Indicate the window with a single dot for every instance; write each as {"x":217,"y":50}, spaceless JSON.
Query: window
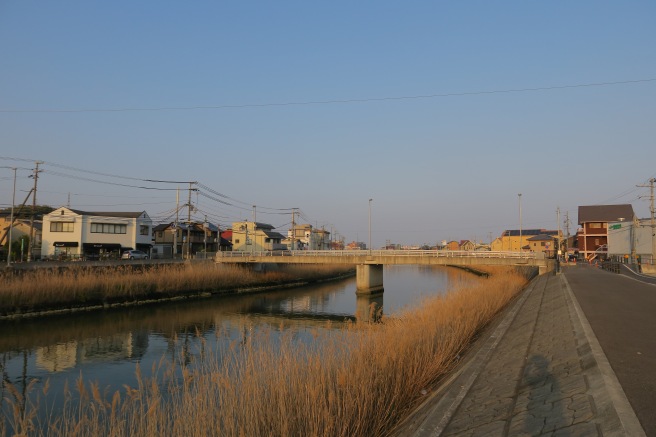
{"x":159,"y":234}
{"x":237,"y":241}
{"x":143,"y":230}
{"x":108,"y":228}
{"x":597,"y":241}
{"x":595,"y":225}
{"x":61,"y":226}
{"x":542,"y":244}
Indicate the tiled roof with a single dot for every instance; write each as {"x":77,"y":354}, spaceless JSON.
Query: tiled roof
{"x":527,"y":232}
{"x":542,"y":237}
{"x":108,"y":213}
{"x":605,"y":213}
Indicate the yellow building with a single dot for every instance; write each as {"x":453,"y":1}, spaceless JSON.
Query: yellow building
{"x":255,"y":237}
{"x":510,"y":239}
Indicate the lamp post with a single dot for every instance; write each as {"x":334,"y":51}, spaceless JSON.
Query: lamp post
{"x":370,"y":226}
{"x":11,"y":220}
{"x":519,"y":196}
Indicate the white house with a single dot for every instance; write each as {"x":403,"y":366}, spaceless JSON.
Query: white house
{"x":70,"y":233}
{"x":305,"y":237}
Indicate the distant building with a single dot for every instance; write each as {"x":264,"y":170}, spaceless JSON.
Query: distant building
{"x":256,"y":237}
{"x":201,"y":235}
{"x":466,"y":245}
{"x":305,"y":237}
{"x":592,"y":235}
{"x":510,"y":239}
{"x":543,"y":243}
{"x":356,"y":245}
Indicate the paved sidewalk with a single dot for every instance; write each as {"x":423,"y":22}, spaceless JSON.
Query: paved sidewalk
{"x":540,"y":372}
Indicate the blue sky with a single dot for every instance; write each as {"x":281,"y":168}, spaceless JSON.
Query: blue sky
{"x":306,"y":105}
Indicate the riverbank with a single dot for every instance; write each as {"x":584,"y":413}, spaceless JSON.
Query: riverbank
{"x":355,"y":379}
{"x":44,"y":292}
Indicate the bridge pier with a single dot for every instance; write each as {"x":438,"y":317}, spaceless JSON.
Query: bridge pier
{"x":369,"y":278}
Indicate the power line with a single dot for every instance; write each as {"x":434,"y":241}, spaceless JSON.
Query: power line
{"x":54,"y":173}
{"x":328,"y":102}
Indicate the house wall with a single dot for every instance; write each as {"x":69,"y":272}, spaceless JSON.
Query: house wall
{"x":512,"y":243}
{"x":623,"y":235}
{"x":542,"y":246}
{"x":257,"y":240}
{"x":48,"y":238}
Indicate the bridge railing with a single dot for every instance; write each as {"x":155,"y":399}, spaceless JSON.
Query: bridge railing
{"x":379,"y":253}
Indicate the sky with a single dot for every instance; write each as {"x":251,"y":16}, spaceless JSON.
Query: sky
{"x":440,"y":112}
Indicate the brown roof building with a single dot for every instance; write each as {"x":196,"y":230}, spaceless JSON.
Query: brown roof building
{"x":592,"y":236}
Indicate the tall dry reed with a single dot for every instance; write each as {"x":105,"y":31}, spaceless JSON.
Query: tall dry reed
{"x":361,"y":381}
{"x":45,"y":288}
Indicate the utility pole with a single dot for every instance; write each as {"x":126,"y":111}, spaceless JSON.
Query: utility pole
{"x":557,"y":252}
{"x":30,"y":248}
{"x":189,"y":222}
{"x":567,"y":230}
{"x":520,"y":221}
{"x":370,"y":226}
{"x":175,"y":225}
{"x":653,"y":224}
{"x":11,"y":220}
{"x":254,"y":229}
{"x":205,"y":236}
{"x":293,"y":226}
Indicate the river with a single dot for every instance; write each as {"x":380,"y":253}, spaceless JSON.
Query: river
{"x":105,"y":346}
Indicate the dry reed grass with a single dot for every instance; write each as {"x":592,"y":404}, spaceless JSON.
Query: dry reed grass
{"x":361,"y":381}
{"x":47,"y":289}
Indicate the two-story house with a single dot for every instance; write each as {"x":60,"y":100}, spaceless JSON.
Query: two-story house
{"x":255,"y":237}
{"x":305,"y":237}
{"x":592,"y":235}
{"x":201,"y":236}
{"x":70,"y":233}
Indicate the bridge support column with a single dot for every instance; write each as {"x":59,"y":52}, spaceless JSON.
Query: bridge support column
{"x":369,"y":278}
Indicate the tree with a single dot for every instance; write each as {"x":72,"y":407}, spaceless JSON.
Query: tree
{"x":39,"y":210}
{"x":18,"y":249}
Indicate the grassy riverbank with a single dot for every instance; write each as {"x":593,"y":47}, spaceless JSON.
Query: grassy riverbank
{"x":84,"y":287}
{"x":360,"y":381}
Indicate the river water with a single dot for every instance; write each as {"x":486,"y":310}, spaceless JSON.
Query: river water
{"x":105,"y":346}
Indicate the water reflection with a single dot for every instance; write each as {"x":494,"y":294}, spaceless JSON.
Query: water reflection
{"x":369,"y":308}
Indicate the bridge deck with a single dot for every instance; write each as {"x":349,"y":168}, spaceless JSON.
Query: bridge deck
{"x":385,"y":257}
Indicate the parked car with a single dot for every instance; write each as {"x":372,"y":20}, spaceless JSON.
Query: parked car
{"x":134,"y":254}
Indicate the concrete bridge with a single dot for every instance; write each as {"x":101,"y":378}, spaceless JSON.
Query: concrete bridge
{"x":369,"y":263}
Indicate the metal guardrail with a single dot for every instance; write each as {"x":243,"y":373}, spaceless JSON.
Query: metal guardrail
{"x":387,"y":253}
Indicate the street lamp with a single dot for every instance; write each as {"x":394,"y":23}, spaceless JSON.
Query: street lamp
{"x":370,"y":226}
{"x":520,"y":221}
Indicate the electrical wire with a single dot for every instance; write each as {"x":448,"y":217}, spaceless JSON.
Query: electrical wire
{"x":328,"y":102}
{"x":54,"y":173}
